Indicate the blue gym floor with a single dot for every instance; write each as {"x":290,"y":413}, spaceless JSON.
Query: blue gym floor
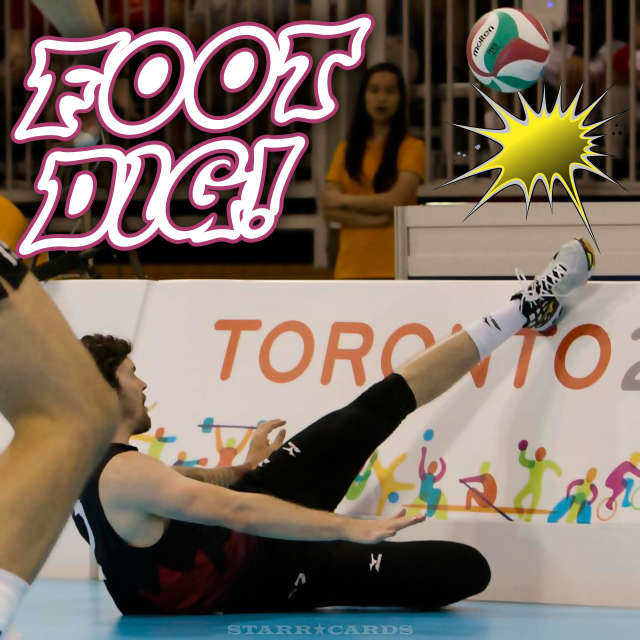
{"x":79,"y":610}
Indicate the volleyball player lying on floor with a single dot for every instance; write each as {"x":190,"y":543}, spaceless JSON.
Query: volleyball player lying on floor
{"x":268,"y":541}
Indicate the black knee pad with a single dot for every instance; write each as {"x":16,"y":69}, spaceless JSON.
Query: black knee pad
{"x":11,"y":268}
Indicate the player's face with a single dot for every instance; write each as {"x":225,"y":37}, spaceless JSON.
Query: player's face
{"x":382,"y":96}
{"x":132,"y":398}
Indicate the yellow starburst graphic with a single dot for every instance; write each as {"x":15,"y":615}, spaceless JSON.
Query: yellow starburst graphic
{"x":545,"y":146}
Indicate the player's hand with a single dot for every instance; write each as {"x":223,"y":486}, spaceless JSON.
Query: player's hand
{"x":522,"y":445}
{"x":369,"y":531}
{"x":260,"y":447}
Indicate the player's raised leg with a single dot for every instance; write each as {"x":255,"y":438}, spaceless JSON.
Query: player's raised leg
{"x":289,"y":576}
{"x":298,"y":471}
{"x":537,"y":307}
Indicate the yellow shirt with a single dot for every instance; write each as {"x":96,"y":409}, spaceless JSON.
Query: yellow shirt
{"x":13,"y":226}
{"x":368,"y":252}
{"x":12,"y":223}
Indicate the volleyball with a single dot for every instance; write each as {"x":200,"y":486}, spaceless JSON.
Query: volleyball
{"x":507,"y":49}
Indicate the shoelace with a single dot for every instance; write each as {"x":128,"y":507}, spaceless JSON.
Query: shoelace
{"x":542,"y":287}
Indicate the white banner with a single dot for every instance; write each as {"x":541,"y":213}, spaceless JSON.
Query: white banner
{"x":233,"y":353}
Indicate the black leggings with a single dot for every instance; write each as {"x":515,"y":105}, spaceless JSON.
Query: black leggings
{"x":315,"y":468}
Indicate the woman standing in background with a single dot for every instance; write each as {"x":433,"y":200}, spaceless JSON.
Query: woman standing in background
{"x":377,"y":168}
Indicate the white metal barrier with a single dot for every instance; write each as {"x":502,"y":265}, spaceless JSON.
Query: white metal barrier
{"x":433,"y":241}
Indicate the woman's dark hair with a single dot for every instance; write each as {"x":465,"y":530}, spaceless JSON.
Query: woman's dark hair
{"x":109,"y":353}
{"x":361,"y":129}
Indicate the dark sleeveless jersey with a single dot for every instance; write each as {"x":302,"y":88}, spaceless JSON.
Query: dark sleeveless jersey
{"x":187,"y":571}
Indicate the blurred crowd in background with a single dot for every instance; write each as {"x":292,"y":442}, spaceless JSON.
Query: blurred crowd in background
{"x":425,"y":43}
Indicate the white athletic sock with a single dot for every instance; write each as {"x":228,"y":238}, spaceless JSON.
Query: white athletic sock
{"x":12,"y":589}
{"x":490,"y":332}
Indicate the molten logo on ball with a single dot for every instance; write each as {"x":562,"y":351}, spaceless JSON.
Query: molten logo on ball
{"x":507,"y":49}
{"x":545,"y":146}
{"x":481,"y":39}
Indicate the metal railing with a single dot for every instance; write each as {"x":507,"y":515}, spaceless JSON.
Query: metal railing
{"x":432,"y":59}
{"x":451,"y":151}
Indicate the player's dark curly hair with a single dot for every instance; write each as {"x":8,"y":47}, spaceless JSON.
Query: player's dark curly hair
{"x":109,"y":353}
{"x":362,"y":128}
